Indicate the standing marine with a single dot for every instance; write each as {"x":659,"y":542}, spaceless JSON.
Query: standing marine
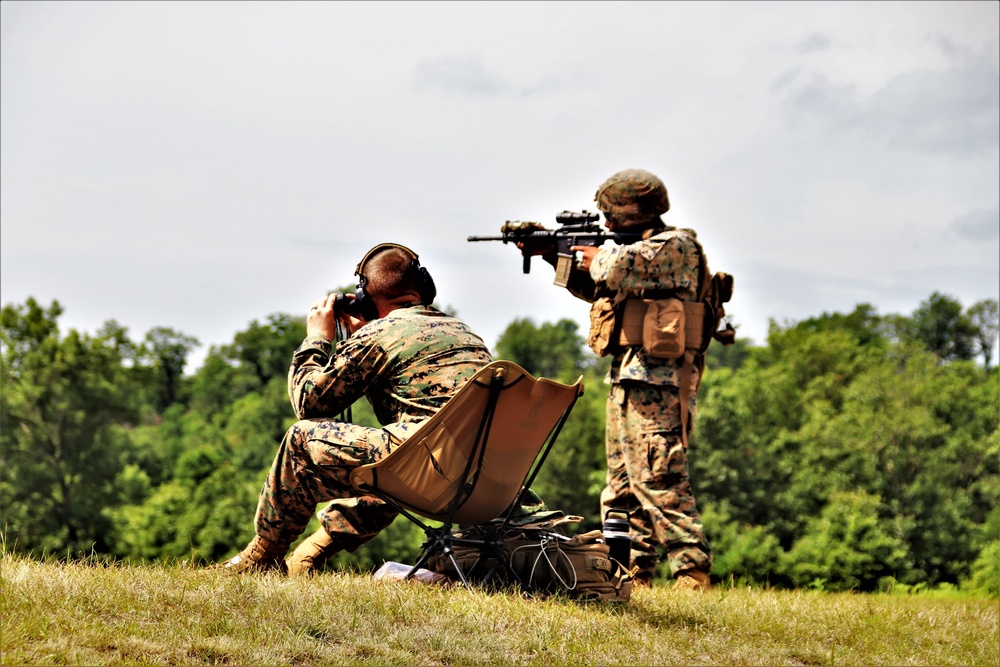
{"x":654,"y":309}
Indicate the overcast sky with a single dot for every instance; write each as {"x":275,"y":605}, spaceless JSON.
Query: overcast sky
{"x":200,"y":165}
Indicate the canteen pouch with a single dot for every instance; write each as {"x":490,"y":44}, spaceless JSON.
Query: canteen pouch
{"x":663,"y":330}
{"x":602,"y":327}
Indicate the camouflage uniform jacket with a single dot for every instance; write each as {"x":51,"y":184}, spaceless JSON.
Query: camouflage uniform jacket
{"x":664,"y":265}
{"x":408,"y":364}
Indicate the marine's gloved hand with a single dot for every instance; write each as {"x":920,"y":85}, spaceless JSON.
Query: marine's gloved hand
{"x":535,"y":247}
{"x":519,"y":226}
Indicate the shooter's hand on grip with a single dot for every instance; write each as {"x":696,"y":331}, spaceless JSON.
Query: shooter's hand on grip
{"x":584,"y":255}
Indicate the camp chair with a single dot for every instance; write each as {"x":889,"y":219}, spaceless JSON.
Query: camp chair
{"x":473,"y":461}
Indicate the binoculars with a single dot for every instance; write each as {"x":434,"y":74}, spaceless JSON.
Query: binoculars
{"x":347,"y":306}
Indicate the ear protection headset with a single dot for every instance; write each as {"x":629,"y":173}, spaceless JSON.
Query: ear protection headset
{"x":363,"y":302}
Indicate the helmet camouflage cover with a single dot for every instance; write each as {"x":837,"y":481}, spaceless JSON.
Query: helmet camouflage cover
{"x":633,"y":192}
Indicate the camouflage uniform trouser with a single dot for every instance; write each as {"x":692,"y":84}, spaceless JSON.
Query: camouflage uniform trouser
{"x":648,"y":477}
{"x":313,"y":465}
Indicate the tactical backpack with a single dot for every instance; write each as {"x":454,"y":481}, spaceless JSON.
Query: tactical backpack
{"x":546,"y":562}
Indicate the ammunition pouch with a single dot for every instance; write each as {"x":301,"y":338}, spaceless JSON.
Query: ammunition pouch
{"x":665,"y":328}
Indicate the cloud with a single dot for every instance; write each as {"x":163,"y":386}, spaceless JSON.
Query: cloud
{"x":817,"y":41}
{"x":978,"y":225}
{"x":954,"y":112}
{"x":819,"y":97}
{"x":785,"y":80}
{"x":463,"y":74}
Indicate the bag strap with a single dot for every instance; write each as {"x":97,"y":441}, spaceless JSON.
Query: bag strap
{"x":684,"y":376}
{"x":694,"y":357}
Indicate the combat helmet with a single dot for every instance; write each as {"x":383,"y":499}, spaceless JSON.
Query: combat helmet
{"x":633,"y":193}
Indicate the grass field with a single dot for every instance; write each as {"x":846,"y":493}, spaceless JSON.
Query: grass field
{"x":100,"y":613}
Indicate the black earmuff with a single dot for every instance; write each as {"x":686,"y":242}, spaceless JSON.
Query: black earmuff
{"x":426,"y":289}
{"x":364,"y":304}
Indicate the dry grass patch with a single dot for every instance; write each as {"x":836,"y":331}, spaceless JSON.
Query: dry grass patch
{"x":96,"y":614}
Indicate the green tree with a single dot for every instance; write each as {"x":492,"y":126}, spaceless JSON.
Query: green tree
{"x":727,"y":356}
{"x":266,"y":349}
{"x":167,"y":351}
{"x":549,"y":350}
{"x":215,"y":452}
{"x":847,"y":547}
{"x":943,"y":328}
{"x":839,"y":405}
{"x":258,"y":355}
{"x":65,"y":400}
{"x":985,"y":318}
{"x":218,"y":463}
{"x":984,"y":576}
{"x":864,"y":324}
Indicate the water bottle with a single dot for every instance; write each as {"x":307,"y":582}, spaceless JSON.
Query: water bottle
{"x":618,"y":537}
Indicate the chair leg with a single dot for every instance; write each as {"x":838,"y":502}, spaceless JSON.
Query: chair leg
{"x":421,"y":561}
{"x":491,"y":547}
{"x":451,"y":556}
{"x":439,"y":542}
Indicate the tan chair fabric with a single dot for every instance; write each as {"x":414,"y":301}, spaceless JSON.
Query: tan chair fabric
{"x":423,"y":474}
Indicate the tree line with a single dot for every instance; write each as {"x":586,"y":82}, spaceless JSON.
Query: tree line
{"x":851,"y":451}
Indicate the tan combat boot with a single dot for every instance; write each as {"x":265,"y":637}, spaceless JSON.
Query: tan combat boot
{"x":312,"y":553}
{"x":691,"y":580}
{"x":260,"y":555}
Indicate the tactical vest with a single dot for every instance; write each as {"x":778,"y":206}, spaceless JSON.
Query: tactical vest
{"x":665,"y":326}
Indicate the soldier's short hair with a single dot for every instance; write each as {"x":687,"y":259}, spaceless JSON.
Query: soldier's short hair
{"x":391,"y":273}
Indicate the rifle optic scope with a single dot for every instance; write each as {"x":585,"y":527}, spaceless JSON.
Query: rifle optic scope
{"x":574,"y":217}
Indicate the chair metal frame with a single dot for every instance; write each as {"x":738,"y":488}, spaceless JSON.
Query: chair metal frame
{"x":489,"y":541}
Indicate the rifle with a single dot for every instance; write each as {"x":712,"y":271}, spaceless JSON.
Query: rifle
{"x":578,"y":228}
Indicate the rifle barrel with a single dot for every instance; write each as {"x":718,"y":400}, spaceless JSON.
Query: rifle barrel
{"x":560,"y":234}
